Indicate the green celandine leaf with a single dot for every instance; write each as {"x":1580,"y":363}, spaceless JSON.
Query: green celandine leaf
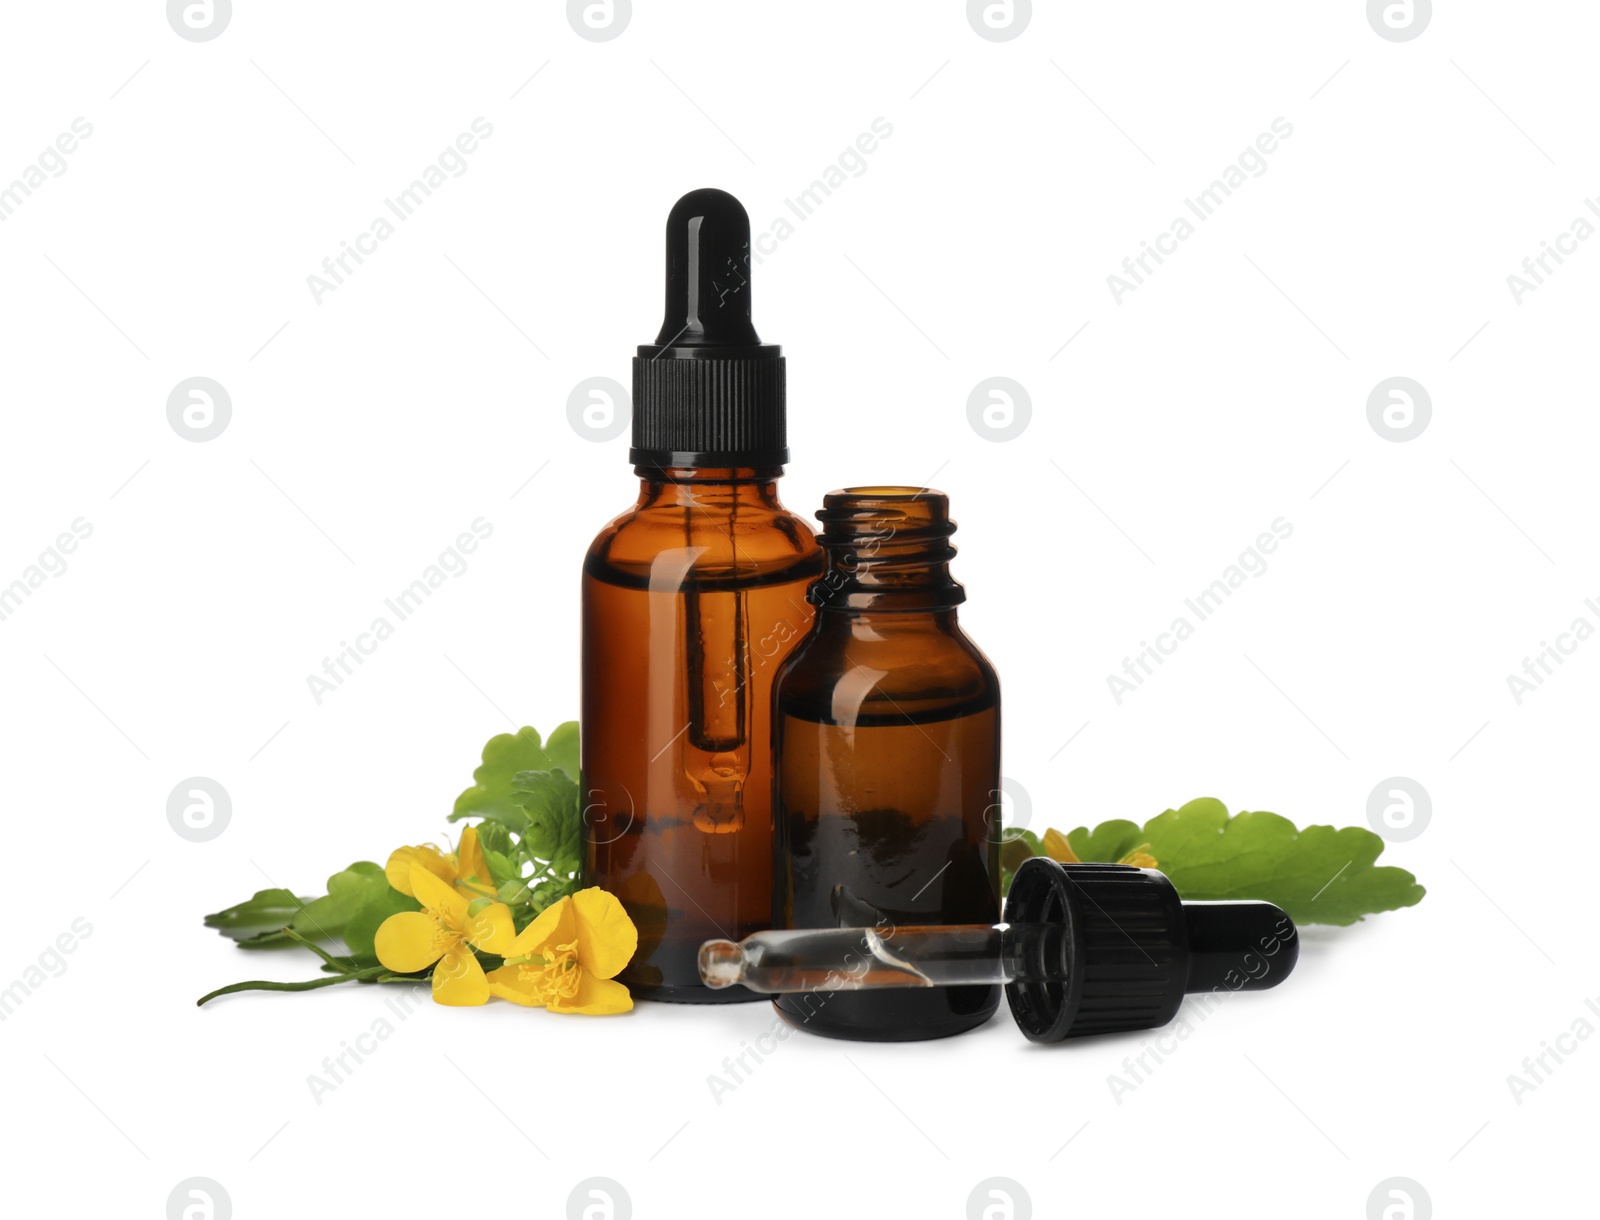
{"x":492,"y":796}
{"x":499,"y":853}
{"x":1015,"y":847}
{"x":562,"y":747}
{"x":1318,"y":875}
{"x":526,"y":791}
{"x":554,"y":838}
{"x":1107,"y":841}
{"x":358,"y":891}
{"x":359,"y":898}
{"x":368,"y":899}
{"x":555,"y":819}
{"x":264,"y":915}
{"x":502,"y":868}
{"x":492,"y":836}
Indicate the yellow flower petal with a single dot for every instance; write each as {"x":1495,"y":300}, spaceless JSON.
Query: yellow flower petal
{"x":472,"y":871}
{"x":595,"y":997}
{"x":409,"y":941}
{"x":438,"y":897}
{"x":1057,"y":848}
{"x":1140,"y":857}
{"x":398,"y":869}
{"x":491,"y":929}
{"x":606,"y":936}
{"x":458,"y":979}
{"x":509,"y":984}
{"x":554,"y":925}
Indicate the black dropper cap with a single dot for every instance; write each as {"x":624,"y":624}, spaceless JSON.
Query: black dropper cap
{"x":708,"y":392}
{"x":1124,"y":949}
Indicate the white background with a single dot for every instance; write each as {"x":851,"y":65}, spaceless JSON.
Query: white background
{"x":370,"y":429}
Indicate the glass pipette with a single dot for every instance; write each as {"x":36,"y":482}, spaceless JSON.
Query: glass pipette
{"x":1087,"y":948}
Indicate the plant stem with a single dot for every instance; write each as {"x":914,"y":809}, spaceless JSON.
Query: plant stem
{"x":343,"y":968}
{"x":371,"y":972}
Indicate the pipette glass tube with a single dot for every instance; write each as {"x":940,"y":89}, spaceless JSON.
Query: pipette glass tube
{"x":865,"y":959}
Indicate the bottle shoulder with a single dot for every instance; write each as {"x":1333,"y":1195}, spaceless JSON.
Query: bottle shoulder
{"x":926,"y":669}
{"x":760,"y":544}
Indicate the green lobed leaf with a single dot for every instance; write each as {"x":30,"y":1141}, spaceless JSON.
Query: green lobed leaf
{"x":562,"y":747}
{"x":1107,"y":841}
{"x":504,"y":757}
{"x":492,"y":836}
{"x":502,"y":868}
{"x":554,"y":826}
{"x":1318,"y":875}
{"x":499,"y":853}
{"x":258,"y":918}
{"x":532,"y":831}
{"x":358,"y":899}
{"x":362,"y":930}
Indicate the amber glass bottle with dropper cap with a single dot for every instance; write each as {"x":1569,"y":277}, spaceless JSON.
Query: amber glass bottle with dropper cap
{"x":887,"y":726}
{"x":691,"y":601}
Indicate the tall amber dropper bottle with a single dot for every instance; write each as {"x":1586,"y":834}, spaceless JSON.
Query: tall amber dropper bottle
{"x":691,"y":600}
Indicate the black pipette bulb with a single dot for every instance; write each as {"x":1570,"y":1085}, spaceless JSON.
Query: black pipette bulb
{"x":708,"y":281}
{"x":708,"y":392}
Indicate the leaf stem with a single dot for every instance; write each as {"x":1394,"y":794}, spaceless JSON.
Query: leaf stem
{"x":342,"y":967}
{"x":371,"y":972}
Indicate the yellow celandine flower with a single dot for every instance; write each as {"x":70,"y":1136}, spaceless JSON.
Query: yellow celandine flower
{"x":445,"y":932}
{"x":463,"y":868}
{"x":565,"y":959}
{"x":1058,"y":849}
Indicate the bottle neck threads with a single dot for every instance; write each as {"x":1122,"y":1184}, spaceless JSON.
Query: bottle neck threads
{"x":888,"y":549}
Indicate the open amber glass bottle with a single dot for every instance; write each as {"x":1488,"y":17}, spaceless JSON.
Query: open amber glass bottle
{"x":887,"y":738}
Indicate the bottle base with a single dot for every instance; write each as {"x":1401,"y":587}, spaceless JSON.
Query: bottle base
{"x":696,"y":995}
{"x":920,"y":1029}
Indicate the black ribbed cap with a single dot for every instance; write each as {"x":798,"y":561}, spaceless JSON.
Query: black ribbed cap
{"x":708,"y":392}
{"x":1128,"y":949}
{"x":1123,"y":960}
